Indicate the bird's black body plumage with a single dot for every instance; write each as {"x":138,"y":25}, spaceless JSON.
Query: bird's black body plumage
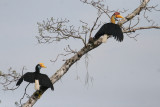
{"x":32,"y":76}
{"x":110,"y":29}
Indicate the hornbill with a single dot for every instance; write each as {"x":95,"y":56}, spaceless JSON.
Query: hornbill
{"x":37,"y":77}
{"x":110,"y":29}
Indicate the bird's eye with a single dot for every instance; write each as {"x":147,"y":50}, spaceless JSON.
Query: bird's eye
{"x":39,"y":67}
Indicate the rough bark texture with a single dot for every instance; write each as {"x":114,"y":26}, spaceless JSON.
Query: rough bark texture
{"x":91,"y":45}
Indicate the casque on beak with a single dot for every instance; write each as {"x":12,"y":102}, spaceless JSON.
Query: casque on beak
{"x":42,"y":65}
{"x":119,"y":16}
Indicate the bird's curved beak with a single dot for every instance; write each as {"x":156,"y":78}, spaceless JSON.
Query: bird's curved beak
{"x":119,"y":16}
{"x":42,"y":65}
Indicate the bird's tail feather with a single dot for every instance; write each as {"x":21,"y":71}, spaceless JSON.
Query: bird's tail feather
{"x":52,"y":88}
{"x":19,"y":81}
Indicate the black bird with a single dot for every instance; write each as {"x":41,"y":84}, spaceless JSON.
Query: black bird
{"x":110,"y":29}
{"x":37,"y":77}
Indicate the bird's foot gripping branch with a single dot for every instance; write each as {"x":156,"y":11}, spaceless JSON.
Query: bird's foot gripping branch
{"x":38,"y":94}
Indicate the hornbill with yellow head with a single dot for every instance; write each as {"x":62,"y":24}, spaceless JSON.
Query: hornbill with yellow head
{"x":37,"y":78}
{"x":110,"y":29}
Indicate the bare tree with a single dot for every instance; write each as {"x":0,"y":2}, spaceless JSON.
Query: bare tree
{"x":61,"y":31}
{"x":56,"y":30}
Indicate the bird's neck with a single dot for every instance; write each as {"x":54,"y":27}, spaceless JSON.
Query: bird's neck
{"x":37,"y":71}
{"x":113,"y":19}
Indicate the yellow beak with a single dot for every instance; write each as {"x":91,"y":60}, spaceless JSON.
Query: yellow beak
{"x":119,"y":16}
{"x":42,"y":65}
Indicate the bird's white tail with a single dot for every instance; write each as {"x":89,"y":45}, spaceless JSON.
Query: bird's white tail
{"x":104,"y":38}
{"x":36,"y":84}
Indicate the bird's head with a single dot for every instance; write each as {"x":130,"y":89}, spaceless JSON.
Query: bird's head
{"x":39,"y":66}
{"x":115,"y":16}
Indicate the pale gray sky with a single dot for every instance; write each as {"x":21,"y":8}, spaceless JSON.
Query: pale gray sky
{"x":125,"y":74}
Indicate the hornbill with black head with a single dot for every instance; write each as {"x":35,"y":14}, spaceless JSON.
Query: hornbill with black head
{"x":110,"y":29}
{"x":37,"y":78}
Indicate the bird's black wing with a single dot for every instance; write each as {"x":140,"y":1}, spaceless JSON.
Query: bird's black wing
{"x":101,"y":32}
{"x":116,"y":31}
{"x":110,"y":29}
{"x":29,"y":77}
{"x":45,"y":81}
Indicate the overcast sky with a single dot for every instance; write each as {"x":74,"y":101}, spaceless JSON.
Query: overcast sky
{"x":124,"y":74}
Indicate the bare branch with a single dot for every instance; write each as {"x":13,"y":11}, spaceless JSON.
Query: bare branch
{"x":58,"y":57}
{"x":132,"y":37}
{"x":138,"y":20}
{"x":68,"y":51}
{"x":85,"y":30}
{"x":95,"y":23}
{"x":60,"y":30}
{"x":25,"y":93}
{"x":149,"y":9}
{"x":140,"y":28}
{"x":134,"y":13}
{"x":99,"y":5}
{"x":9,"y":79}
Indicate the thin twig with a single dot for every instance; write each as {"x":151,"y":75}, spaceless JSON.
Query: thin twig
{"x":24,"y":94}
